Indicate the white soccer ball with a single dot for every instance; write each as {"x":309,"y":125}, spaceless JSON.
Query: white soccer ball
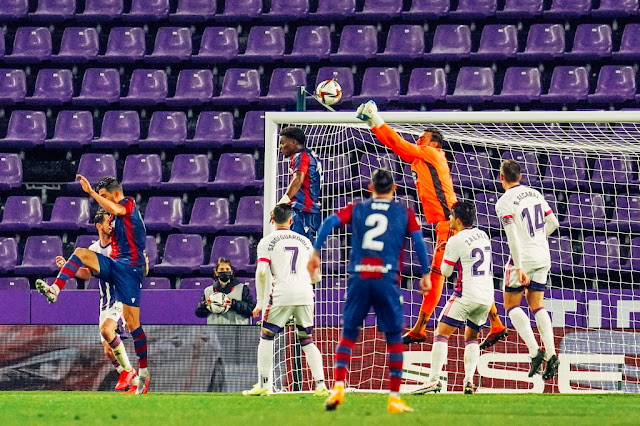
{"x":329,"y":92}
{"x":216,"y":303}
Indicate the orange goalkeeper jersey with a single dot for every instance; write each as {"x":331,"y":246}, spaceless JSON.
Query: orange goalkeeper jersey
{"x":433,"y":177}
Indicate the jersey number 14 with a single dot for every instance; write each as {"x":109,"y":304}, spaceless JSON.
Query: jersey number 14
{"x":536,"y":222}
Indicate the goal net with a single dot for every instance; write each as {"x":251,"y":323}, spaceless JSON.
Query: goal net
{"x":585,"y":164}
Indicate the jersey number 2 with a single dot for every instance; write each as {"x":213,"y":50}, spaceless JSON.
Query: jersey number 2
{"x":379,"y":223}
{"x":480,"y":266}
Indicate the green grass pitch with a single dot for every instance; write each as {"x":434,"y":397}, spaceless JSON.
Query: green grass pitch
{"x":80,"y":408}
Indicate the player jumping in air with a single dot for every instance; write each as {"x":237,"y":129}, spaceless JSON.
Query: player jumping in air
{"x":470,"y":250}
{"x":435,"y":190}
{"x":304,"y":189}
{"x":124,"y":268}
{"x":380,"y":227}
{"x":528,"y":221}
{"x":284,"y":254}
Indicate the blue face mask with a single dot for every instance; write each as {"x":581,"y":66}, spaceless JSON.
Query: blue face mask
{"x":225,"y":277}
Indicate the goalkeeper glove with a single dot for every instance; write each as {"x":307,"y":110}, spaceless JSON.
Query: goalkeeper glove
{"x":368,"y":112}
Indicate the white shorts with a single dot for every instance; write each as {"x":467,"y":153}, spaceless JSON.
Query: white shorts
{"x":537,"y":276}
{"x":459,"y":312}
{"x":277,"y":317}
{"x":114,"y":313}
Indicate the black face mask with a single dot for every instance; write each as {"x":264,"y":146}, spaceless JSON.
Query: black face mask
{"x":225,"y":277}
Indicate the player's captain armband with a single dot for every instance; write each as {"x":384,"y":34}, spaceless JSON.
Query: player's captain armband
{"x":506,"y":220}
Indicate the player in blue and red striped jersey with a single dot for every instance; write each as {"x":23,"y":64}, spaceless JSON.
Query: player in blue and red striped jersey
{"x":303,"y":192}
{"x":124,"y":268}
{"x":380,"y":227}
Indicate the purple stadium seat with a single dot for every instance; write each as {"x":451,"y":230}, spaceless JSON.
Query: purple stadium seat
{"x":94,"y":167}
{"x":101,"y":10}
{"x":242,"y":10}
{"x":100,"y":87}
{"x":544,"y":41}
{"x":148,"y":87}
{"x":591,"y":41}
{"x":151,"y":250}
{"x":498,"y":42}
{"x":21,"y":214}
{"x":54,"y":10}
{"x":613,"y":171}
{"x":8,"y":255}
{"x":84,"y":241}
{"x":565,"y":171}
{"x":427,"y":9}
{"x":188,"y":172}
{"x":520,"y":85}
{"x":213,"y":129}
{"x":380,"y":10}
{"x":343,"y":75}
{"x":248,"y":216}
{"x":190,"y":11}
{"x":450,"y":42}
{"x":471,"y":9}
{"x":53,"y":87}
{"x":235,"y":171}
{"x":13,"y":9}
{"x":173,"y":44}
{"x":332,"y":255}
{"x":633,"y":264}
{"x":92,"y":284}
{"x":569,"y":8}
{"x":125,"y":44}
{"x":287,"y":10}
{"x":471,"y":169}
{"x":410,"y":262}
{"x":10,"y":171}
{"x":569,"y":84}
{"x":218,"y":45}
{"x":370,"y":162}
{"x":27,"y":129}
{"x":336,"y":169}
{"x":30,"y":45}
{"x":13,"y":86}
{"x":239,"y":87}
{"x":72,"y":284}
{"x":335,"y":10}
{"x":311,"y":43}
{"x":599,"y":255}
{"x":585,"y":211}
{"x":630,"y":44}
{"x":163,"y":213}
{"x":78,"y":45}
{"x":265,"y":44}
{"x":380,"y":84}
{"x":147,"y":10}
{"x":616,"y":8}
{"x":69,"y":213}
{"x":156,"y":283}
{"x":209,"y":215}
{"x":39,"y":255}
{"x":626,"y":215}
{"x":167,"y":129}
{"x":252,"y":130}
{"x":74,"y":129}
{"x":561,"y":259}
{"x":486,"y":210}
{"x":120,"y":129}
{"x":473,"y":85}
{"x":615,"y":84}
{"x":357,"y":43}
{"x":236,"y":249}
{"x":426,"y":85}
{"x":196,"y":283}
{"x":283,"y":86}
{"x":194,"y":87}
{"x":404,"y":42}
{"x":529,"y":164}
{"x":521,"y":9}
{"x":142,"y":172}
{"x":183,"y":254}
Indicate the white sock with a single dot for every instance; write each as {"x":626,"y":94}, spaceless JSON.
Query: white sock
{"x":545,"y":329}
{"x":119,"y":369}
{"x":314,"y":361}
{"x":438,"y":359}
{"x":471,"y":357}
{"x":520,"y":321}
{"x":265,"y":361}
{"x":121,"y":355}
{"x":143,"y":372}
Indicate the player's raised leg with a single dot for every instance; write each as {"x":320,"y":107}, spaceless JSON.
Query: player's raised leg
{"x":543,"y":321}
{"x":80,"y":258}
{"x":520,"y":320}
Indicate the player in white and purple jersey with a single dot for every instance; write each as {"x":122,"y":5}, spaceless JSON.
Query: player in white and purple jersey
{"x":380,"y":227}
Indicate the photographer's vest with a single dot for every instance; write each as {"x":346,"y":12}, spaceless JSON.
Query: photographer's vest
{"x":231,"y":316}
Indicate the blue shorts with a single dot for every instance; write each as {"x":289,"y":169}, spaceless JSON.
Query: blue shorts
{"x":126,"y":279}
{"x":383,"y":295}
{"x":307,"y":224}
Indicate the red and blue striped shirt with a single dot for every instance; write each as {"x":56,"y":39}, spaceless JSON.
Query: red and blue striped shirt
{"x":128,"y":235}
{"x":307,"y":199}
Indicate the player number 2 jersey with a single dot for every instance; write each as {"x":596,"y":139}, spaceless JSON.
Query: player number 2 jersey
{"x":470,"y":251}
{"x":525,"y":208}
{"x":288,"y":253}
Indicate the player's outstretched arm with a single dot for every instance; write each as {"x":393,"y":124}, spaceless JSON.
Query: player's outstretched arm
{"x":109,"y":206}
{"x":293,"y":188}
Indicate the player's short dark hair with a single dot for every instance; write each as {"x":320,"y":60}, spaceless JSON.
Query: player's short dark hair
{"x":511,"y":170}
{"x":110,"y":184}
{"x":436,"y":135}
{"x":294,"y":133}
{"x":224,"y":260}
{"x":282,"y":213}
{"x":465,"y":211}
{"x":382,"y":181}
{"x":99,"y":216}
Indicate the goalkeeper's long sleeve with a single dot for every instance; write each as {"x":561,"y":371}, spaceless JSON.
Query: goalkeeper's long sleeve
{"x":391,"y":139}
{"x":325,"y":230}
{"x":421,"y":250}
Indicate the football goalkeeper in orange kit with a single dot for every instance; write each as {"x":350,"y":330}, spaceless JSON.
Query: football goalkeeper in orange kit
{"x":435,"y":190}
